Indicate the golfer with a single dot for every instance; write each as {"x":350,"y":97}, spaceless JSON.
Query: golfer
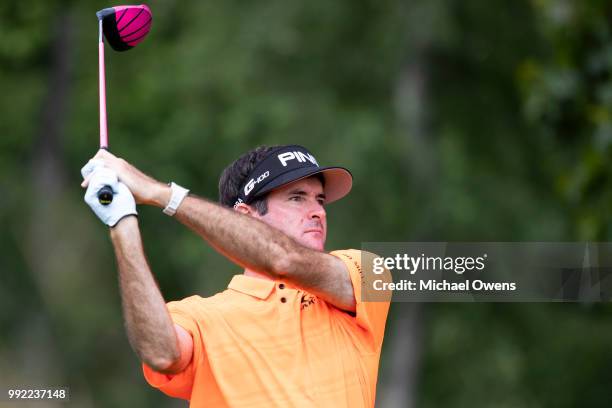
{"x":292,"y":330}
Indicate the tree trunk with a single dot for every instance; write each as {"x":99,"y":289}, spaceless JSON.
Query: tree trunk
{"x":47,"y":244}
{"x":405,"y":333}
{"x":404,"y":346}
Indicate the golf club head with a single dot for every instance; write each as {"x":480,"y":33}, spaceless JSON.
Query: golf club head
{"x":125,"y":26}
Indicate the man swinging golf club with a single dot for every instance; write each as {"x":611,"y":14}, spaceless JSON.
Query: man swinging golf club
{"x":292,"y":330}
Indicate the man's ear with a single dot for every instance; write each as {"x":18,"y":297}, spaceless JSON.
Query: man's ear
{"x":245,"y":209}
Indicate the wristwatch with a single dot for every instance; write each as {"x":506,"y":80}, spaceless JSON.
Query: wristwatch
{"x":176,"y":198}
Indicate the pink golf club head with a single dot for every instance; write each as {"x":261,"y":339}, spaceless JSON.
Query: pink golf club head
{"x":125,"y":26}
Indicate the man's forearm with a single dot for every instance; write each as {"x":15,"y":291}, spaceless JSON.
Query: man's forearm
{"x":149,"y":326}
{"x":243,"y":239}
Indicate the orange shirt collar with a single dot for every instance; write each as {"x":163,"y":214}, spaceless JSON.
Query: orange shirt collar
{"x":259,"y":288}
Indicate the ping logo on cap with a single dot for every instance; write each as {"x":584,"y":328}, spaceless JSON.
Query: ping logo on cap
{"x":299,"y":156}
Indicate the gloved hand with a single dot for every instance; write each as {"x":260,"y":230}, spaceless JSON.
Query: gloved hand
{"x":123,"y":203}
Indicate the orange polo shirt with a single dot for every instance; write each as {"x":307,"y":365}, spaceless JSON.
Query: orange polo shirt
{"x":264,"y":343}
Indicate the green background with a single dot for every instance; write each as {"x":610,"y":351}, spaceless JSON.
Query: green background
{"x":460,"y":120}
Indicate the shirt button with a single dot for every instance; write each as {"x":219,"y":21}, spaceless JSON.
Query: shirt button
{"x":283,"y":300}
{"x":281,"y":286}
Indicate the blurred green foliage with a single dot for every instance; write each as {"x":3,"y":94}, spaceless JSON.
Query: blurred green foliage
{"x":515,"y":130}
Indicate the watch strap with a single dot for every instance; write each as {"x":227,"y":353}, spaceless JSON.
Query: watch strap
{"x":176,"y":198}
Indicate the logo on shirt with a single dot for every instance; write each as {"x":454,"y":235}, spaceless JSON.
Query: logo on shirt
{"x":356,"y":263}
{"x":306,"y":301}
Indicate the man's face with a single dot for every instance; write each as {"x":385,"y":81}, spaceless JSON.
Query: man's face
{"x":297,"y":210}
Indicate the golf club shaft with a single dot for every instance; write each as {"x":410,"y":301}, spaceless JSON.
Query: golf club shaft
{"x":105,"y":195}
{"x":102,"y":79}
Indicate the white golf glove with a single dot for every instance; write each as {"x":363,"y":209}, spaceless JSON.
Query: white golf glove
{"x":123,"y":203}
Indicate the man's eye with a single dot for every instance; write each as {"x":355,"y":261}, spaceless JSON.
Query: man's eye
{"x":295,"y":198}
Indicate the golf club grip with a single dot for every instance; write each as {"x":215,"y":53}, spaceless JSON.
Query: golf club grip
{"x":105,"y":195}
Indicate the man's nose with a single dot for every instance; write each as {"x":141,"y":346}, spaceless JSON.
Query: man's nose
{"x":317,"y":211}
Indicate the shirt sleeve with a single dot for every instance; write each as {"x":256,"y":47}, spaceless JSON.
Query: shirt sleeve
{"x":372,"y":307}
{"x":179,"y":385}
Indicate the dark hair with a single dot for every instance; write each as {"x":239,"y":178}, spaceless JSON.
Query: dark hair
{"x":234,"y":176}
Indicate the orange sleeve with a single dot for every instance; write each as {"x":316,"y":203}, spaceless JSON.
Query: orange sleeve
{"x":371,"y":314}
{"x":179,"y":385}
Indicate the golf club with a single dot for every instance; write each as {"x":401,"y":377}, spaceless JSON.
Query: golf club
{"x":123,"y":27}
